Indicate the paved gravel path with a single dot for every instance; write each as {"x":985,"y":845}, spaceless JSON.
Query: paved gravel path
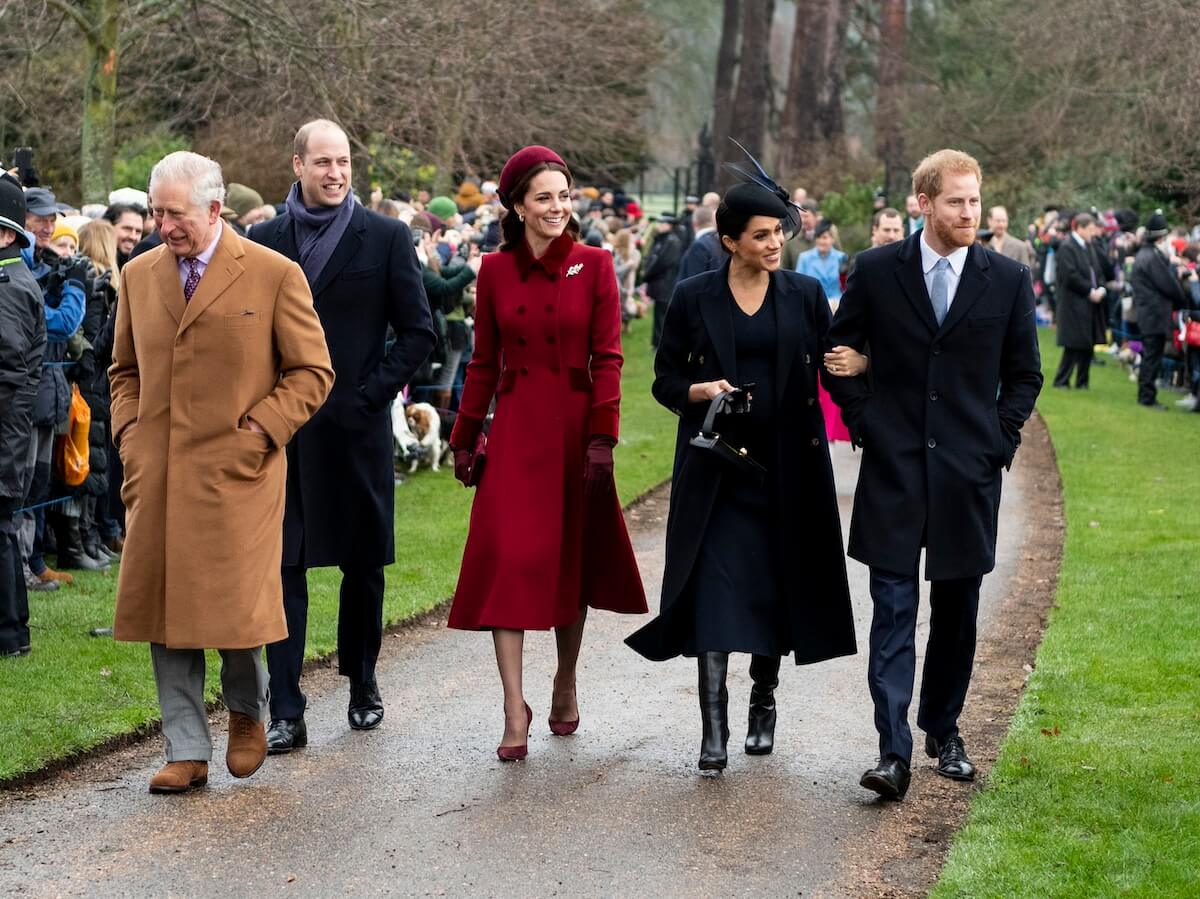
{"x":422,"y":806}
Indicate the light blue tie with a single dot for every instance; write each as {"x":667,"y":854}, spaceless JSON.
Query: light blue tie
{"x":939,"y":293}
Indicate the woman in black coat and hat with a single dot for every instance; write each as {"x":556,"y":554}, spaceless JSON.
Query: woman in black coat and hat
{"x":754,"y":559}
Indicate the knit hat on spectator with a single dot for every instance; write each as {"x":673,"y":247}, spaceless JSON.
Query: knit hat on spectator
{"x":591,"y":193}
{"x":64,"y":228}
{"x":443,"y":207}
{"x":633,"y":210}
{"x":435,"y":223}
{"x":1156,"y":225}
{"x":518,"y":166}
{"x":40,"y":201}
{"x":242,"y":199}
{"x":12,"y":208}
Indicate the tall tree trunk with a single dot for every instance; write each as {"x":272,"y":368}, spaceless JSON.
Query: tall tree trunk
{"x":99,"y":22}
{"x":727,"y":61}
{"x":813,"y":120}
{"x":893,"y":61}
{"x":752,"y":99}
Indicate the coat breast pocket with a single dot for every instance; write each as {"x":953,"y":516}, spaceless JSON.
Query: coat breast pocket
{"x":247,"y":318}
{"x":358,"y":273}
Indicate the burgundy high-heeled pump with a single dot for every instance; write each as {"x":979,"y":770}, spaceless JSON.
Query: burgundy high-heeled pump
{"x":516,"y":753}
{"x":563,"y":728}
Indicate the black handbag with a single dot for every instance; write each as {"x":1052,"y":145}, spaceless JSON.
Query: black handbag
{"x":710,"y":441}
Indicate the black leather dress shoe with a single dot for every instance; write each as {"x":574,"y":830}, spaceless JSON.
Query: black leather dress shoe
{"x":953,"y":761}
{"x":890,"y":778}
{"x":284,"y":735}
{"x":366,"y":705}
{"x":17,"y":651}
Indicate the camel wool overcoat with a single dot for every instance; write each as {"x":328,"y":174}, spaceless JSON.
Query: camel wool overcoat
{"x":204,"y":494}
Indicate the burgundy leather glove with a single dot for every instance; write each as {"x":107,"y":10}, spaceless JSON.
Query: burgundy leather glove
{"x":598,"y":467}
{"x":462,"y":465}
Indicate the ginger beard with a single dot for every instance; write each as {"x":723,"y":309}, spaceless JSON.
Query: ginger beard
{"x":953,"y":215}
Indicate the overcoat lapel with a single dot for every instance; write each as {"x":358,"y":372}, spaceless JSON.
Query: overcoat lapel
{"x":971,"y":285}
{"x":168,"y":287}
{"x":789,"y":326}
{"x":912,"y":281}
{"x":718,"y":321}
{"x":221,"y":272}
{"x":351,"y":240}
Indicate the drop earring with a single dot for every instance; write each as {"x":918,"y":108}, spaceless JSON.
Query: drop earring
{"x":520,"y":218}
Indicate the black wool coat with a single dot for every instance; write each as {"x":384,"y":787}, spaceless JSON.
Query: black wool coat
{"x":1079,"y":323}
{"x":1157,"y":292}
{"x":22,"y":346}
{"x":662,"y":265}
{"x":698,"y":345}
{"x":945,"y":413}
{"x":341,"y":485}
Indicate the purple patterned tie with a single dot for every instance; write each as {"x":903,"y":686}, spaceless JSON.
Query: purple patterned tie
{"x":193,"y":279}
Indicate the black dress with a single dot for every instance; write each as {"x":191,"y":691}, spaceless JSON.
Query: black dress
{"x":734,"y":589}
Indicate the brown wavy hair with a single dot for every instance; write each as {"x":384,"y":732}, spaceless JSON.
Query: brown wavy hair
{"x":511,"y":226}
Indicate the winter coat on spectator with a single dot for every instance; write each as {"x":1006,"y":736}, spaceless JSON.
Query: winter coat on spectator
{"x":662,"y":265}
{"x":22,"y":345}
{"x":1080,"y":321}
{"x":704,"y":255}
{"x":64,"y":310}
{"x":1156,"y":290}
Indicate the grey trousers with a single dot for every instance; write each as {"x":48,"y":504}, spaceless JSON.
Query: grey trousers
{"x":179,"y":676}
{"x":41,"y":444}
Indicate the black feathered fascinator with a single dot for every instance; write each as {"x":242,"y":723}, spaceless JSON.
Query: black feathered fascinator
{"x":753,"y":173}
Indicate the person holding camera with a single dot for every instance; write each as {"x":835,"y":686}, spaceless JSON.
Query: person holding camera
{"x":65,"y":285}
{"x":749,"y":505}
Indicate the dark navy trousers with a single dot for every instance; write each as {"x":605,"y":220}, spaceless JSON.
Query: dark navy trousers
{"x":360,"y":634}
{"x":949,"y":656}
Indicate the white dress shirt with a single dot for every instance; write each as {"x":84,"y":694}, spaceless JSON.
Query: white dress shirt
{"x":930,"y":257}
{"x":202,"y":260}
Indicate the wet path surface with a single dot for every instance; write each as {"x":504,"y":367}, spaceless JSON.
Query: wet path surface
{"x":423,"y":807}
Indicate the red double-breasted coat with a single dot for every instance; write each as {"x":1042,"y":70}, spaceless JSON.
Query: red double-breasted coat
{"x":548,"y":348}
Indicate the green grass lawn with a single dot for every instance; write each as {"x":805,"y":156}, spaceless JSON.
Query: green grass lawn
{"x":1097,"y":791}
{"x":76,"y":691}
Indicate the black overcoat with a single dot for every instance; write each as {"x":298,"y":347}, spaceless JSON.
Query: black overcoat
{"x":341,"y":485}
{"x":698,"y":345}
{"x":1157,"y":292}
{"x":946,"y":410}
{"x":1079,"y":323}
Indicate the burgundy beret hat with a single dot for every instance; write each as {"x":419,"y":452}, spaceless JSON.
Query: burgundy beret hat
{"x":520,"y":163}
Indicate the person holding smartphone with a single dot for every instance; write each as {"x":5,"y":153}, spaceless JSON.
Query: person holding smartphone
{"x":754,"y":561}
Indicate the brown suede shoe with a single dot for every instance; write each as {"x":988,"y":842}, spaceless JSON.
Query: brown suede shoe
{"x":247,"y":745}
{"x":51,"y":575}
{"x":179,"y":777}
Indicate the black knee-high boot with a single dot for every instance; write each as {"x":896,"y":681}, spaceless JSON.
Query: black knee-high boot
{"x":760,"y":734}
{"x":714,"y":710}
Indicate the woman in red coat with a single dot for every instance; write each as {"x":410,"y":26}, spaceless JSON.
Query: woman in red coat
{"x":547,"y":539}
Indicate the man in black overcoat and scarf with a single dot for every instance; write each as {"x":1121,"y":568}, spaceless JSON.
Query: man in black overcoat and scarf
{"x":1157,"y":294}
{"x":955,"y":372}
{"x":1079,"y":302}
{"x":365,"y":277}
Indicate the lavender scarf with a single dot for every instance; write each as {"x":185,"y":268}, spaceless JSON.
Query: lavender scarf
{"x":318,"y":230}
